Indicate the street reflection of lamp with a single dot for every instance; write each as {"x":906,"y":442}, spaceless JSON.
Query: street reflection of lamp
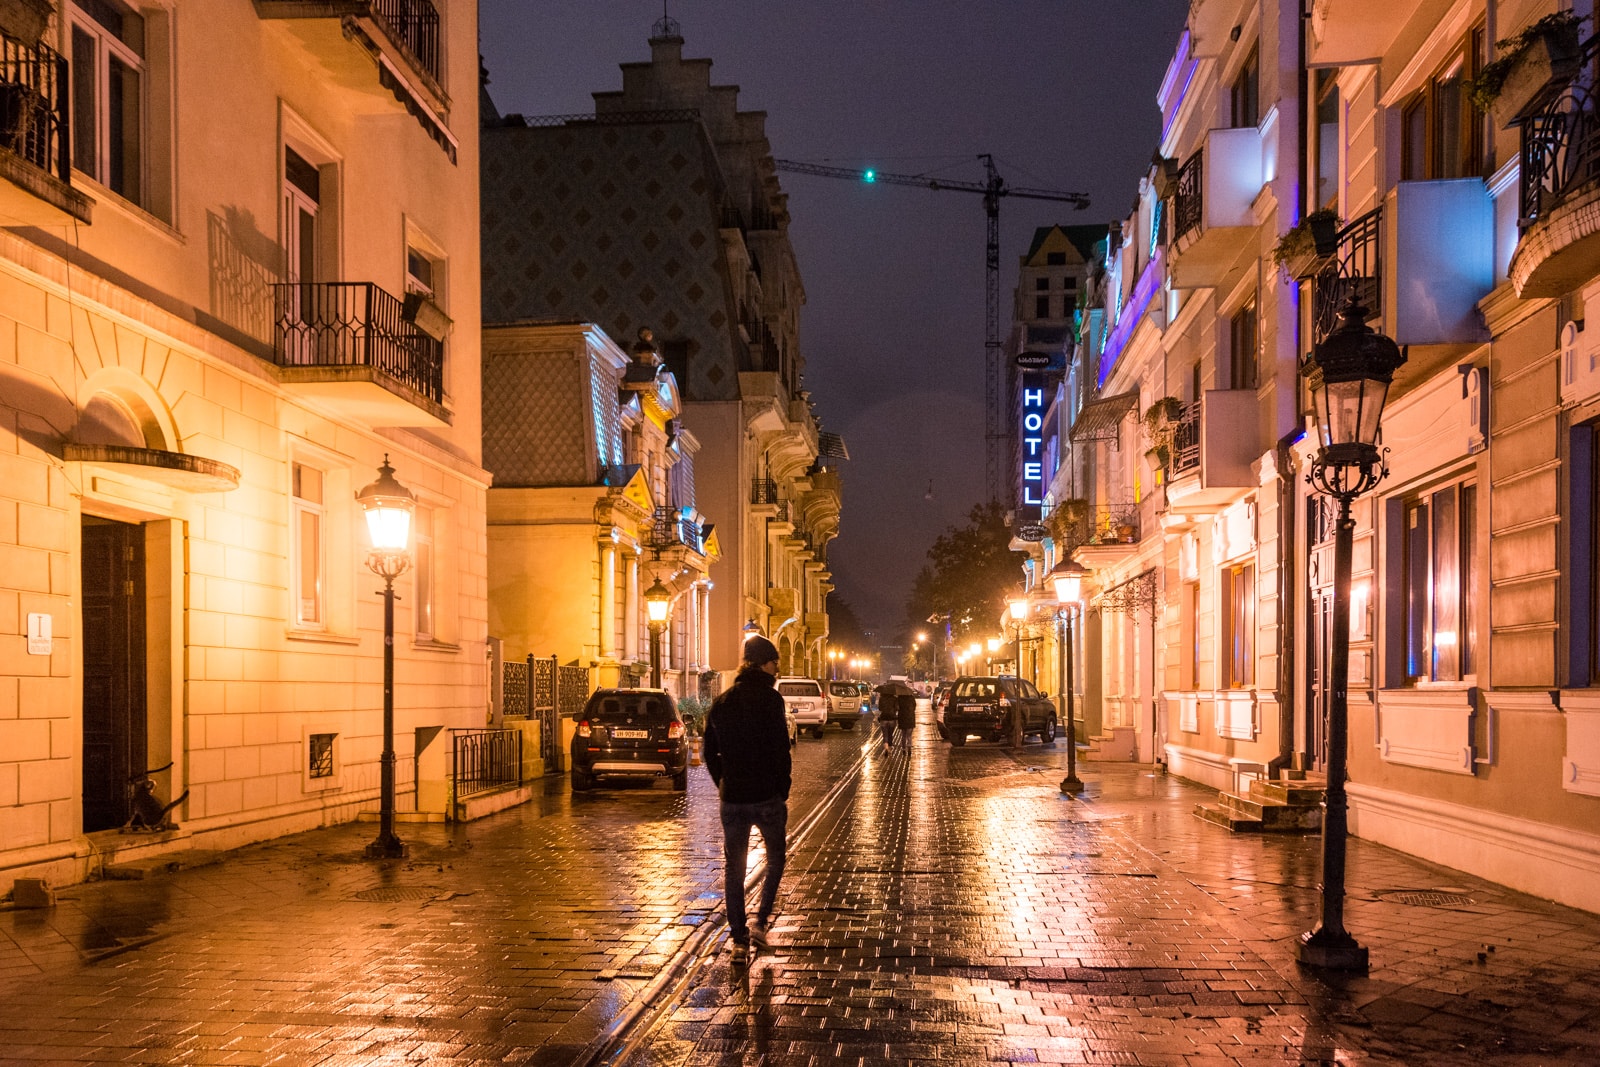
{"x":1067,"y":577}
{"x":1349,"y":374}
{"x":657,"y":603}
{"x":388,"y":506}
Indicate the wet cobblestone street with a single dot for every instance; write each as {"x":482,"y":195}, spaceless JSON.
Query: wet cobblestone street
{"x":952,"y":906}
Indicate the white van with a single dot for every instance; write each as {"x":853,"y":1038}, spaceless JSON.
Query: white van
{"x":805,"y":698}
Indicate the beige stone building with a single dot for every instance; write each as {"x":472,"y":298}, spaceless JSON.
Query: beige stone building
{"x":1467,"y":237}
{"x":663,"y":209}
{"x":593,"y":503}
{"x":247,"y":275}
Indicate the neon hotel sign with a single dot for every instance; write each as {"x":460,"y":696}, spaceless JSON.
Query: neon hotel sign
{"x":1033,"y":474}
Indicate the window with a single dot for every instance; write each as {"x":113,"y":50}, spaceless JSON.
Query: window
{"x":1326,"y":145}
{"x":302,"y":199}
{"x":108,"y":76}
{"x":1055,"y":259}
{"x":1245,"y":93}
{"x":1443,"y":135}
{"x":1243,"y":347}
{"x":1041,"y":284}
{"x":1239,"y":626}
{"x":320,"y":761}
{"x":1041,"y":307}
{"x":307,"y":556}
{"x":419,"y":273}
{"x":1191,"y":602}
{"x":1439,"y":573}
{"x":424,"y":579}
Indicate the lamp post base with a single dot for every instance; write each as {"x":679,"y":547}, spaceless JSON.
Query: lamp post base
{"x":1072,"y":784}
{"x":1331,"y":951}
{"x":387,"y":847}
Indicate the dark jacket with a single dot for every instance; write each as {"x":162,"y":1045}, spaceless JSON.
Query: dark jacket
{"x":908,"y":710}
{"x":747,"y":740}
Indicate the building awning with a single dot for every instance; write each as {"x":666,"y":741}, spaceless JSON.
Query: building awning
{"x":1101,"y":420}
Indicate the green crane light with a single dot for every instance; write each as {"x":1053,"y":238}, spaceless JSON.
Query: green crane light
{"x":869,"y":175}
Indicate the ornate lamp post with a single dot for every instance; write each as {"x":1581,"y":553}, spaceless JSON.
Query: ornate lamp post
{"x":1017,"y":611}
{"x":657,"y":603}
{"x":388,"y":506}
{"x":1349,"y":374}
{"x":1067,"y":577}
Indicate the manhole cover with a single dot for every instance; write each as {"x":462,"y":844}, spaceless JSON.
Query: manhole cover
{"x":393,"y":894}
{"x":1426,"y":898}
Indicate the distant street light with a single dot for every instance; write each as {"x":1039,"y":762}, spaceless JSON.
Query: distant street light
{"x":388,"y":506}
{"x":1349,"y":374}
{"x":1067,"y":577}
{"x":657,"y":604}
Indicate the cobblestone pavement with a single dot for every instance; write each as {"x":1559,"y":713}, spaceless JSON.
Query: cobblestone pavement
{"x":953,"y":908}
{"x":961,"y":910}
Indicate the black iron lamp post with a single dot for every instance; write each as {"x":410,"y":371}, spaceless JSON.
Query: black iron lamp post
{"x":657,"y":603}
{"x":1349,"y":374}
{"x":388,"y":506}
{"x":1067,"y":576}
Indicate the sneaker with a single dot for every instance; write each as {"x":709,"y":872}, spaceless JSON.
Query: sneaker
{"x":758,"y":934}
{"x":741,"y":954}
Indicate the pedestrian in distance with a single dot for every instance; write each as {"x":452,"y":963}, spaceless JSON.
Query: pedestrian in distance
{"x":888,"y":714}
{"x":746,"y":750}
{"x":908,"y":716}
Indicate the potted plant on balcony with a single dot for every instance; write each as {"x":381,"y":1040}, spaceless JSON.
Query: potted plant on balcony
{"x":1303,"y":246}
{"x":1545,"y":52}
{"x":1067,"y":520}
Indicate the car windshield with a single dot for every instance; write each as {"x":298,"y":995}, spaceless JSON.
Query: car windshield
{"x":844,"y":689}
{"x":976,"y":689}
{"x":625,"y":707}
{"x":799,"y":689}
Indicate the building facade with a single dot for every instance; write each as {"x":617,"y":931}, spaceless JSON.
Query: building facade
{"x":664,"y":209}
{"x":1308,"y":158}
{"x":242,"y":275}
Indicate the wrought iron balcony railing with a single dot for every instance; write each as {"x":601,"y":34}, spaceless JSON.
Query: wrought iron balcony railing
{"x":355,"y":324}
{"x":1355,"y":269}
{"x":1560,"y":152}
{"x":1185,"y":442}
{"x":1188,"y":197}
{"x":670,"y":526}
{"x":1114,"y":524}
{"x":763,"y":491}
{"x":414,"y":24}
{"x":33,"y":106}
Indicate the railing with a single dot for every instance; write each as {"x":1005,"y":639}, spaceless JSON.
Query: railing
{"x":415,"y":25}
{"x":1185,"y":442}
{"x":544,"y":690}
{"x":485,"y":759}
{"x":1356,"y":269}
{"x":1188,"y":198}
{"x":670,"y":526}
{"x":1560,"y":151}
{"x":763,"y":491}
{"x":33,"y":106}
{"x":355,"y":324}
{"x":1114,"y":524}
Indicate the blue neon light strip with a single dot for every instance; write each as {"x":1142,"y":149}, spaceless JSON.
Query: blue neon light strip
{"x":1148,"y":285}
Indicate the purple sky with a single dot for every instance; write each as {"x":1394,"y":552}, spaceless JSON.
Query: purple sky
{"x":1061,"y":92}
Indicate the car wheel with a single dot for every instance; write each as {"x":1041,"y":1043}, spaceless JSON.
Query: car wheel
{"x":958,"y":740}
{"x":816,"y":732}
{"x":680,"y":781}
{"x":1047,"y":735}
{"x":581,"y":782}
{"x":848,"y":726}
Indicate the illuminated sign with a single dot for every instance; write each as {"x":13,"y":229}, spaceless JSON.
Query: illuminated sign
{"x":1032,"y":439}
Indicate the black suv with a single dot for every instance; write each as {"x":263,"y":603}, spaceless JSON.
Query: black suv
{"x":630,"y":733}
{"x":985,"y":706}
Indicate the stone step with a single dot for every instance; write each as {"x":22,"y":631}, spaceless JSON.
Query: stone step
{"x":153,"y":866}
{"x":1220,"y":816}
{"x":1269,"y":815}
{"x":1295,"y":794}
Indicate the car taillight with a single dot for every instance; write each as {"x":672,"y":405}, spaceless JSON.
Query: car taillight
{"x":1005,"y":702}
{"x":675,"y":729}
{"x":583,"y":728}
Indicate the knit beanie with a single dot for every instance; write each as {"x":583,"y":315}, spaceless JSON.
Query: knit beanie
{"x":758,"y":651}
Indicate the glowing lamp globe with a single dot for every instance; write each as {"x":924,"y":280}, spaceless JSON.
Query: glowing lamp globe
{"x":1067,"y":577}
{"x":388,"y":506}
{"x":657,"y":601}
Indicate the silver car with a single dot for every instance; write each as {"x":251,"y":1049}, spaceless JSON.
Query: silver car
{"x":805,"y":698}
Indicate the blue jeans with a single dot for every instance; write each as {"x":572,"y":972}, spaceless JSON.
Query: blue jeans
{"x":771,"y":817}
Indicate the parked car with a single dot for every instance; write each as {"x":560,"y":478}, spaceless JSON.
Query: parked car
{"x":630,"y":733}
{"x":810,"y":705}
{"x":844,"y":704}
{"x":941,"y":697}
{"x":985,"y":706}
{"x":869,"y":699}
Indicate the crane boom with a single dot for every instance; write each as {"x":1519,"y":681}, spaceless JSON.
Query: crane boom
{"x":992,"y":188}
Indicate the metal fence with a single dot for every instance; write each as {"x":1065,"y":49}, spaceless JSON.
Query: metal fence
{"x":1186,"y":442}
{"x":341,"y":324}
{"x":33,"y":106}
{"x":485,"y":759}
{"x":545,"y":691}
{"x":414,"y":24}
{"x":1356,"y":269}
{"x":1188,"y":201}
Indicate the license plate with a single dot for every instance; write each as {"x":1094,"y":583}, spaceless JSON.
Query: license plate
{"x":974,"y":707}
{"x":630,"y":735}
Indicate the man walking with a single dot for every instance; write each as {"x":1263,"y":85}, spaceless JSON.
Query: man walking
{"x":747,"y":752}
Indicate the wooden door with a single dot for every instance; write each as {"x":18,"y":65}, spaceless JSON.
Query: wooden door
{"x":114,"y":727}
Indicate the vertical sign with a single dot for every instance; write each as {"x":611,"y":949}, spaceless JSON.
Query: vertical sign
{"x":1034,"y":476}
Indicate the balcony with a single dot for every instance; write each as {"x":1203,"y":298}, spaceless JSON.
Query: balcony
{"x":35,"y":151}
{"x":349,"y":344}
{"x":1559,"y":246}
{"x":1438,"y":259}
{"x":1212,"y":213}
{"x":673,"y":528}
{"x":387,"y":51}
{"x":1355,"y":269}
{"x":1214,"y":446}
{"x":1345,"y":32}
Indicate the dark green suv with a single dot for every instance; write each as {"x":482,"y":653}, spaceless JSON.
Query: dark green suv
{"x":986,"y":707}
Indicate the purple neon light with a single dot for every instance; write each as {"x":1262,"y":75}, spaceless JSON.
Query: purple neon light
{"x":1143,"y":290}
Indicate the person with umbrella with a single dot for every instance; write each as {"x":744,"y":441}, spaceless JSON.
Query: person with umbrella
{"x":890,"y":694}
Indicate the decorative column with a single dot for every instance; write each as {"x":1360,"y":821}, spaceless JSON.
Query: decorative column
{"x":630,"y":609}
{"x":608,"y":599}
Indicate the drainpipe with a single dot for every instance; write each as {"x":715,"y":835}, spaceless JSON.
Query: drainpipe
{"x":1288,"y":552}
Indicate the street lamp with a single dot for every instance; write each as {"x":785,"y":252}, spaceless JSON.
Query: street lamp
{"x":388,"y":506}
{"x":1017,"y":608}
{"x":657,"y":603}
{"x":1349,"y":374}
{"x":1067,"y":577}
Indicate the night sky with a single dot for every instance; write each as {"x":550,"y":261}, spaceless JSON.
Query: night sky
{"x":1061,"y":92}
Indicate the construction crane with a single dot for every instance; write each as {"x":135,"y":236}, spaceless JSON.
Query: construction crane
{"x":992,"y":188}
